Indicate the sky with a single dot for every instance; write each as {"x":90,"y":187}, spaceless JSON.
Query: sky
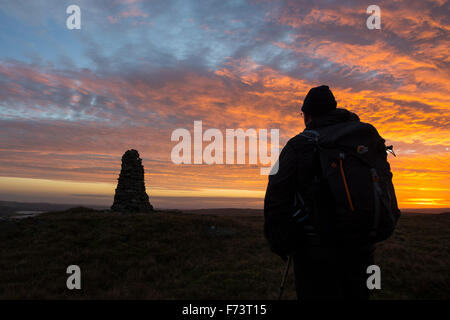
{"x":73,"y":101}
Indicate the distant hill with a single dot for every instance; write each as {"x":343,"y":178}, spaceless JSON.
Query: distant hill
{"x":226,"y":211}
{"x":11,"y":207}
{"x":179,"y":255}
{"x":427,"y":210}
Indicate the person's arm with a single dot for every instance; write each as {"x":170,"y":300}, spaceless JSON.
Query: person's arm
{"x":278,"y":202}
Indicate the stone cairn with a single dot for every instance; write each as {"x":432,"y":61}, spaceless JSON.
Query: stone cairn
{"x":130,"y":192}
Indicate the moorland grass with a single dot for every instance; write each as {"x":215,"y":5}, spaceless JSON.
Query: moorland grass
{"x":174,"y":255}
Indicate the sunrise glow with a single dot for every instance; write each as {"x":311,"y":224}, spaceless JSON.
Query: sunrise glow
{"x":72,"y":101}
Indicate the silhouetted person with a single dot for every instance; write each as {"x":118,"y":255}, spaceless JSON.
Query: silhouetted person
{"x":331,"y":200}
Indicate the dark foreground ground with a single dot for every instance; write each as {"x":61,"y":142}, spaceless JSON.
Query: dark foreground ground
{"x":193,"y":256}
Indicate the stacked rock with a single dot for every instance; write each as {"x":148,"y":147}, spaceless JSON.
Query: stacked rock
{"x":130,"y":193}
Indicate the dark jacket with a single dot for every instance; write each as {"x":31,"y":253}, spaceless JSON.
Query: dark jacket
{"x":297,"y":166}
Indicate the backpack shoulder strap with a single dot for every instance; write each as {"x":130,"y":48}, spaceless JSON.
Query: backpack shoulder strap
{"x":311,"y":135}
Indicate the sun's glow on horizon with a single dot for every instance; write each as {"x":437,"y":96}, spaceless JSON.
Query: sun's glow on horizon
{"x":105,"y":191}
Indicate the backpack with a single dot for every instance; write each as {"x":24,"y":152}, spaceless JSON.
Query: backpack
{"x":354,"y":200}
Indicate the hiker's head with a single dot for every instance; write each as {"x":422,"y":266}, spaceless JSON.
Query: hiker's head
{"x":318,"y":102}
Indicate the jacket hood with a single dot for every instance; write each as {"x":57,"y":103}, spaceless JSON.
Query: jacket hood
{"x":333,"y":117}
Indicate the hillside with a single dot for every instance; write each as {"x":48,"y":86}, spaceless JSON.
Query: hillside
{"x":174,"y":255}
{"x":9,"y":208}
